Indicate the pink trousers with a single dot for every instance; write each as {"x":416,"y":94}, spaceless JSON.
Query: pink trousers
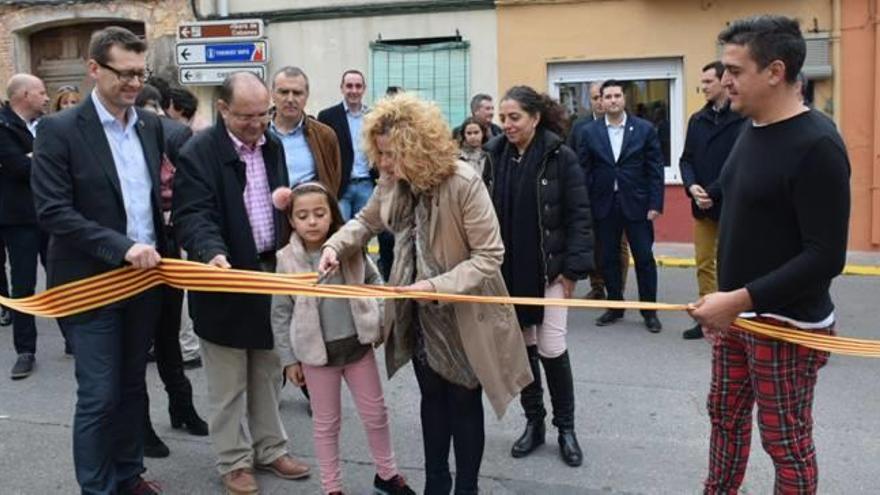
{"x":549,"y":336}
{"x":325,"y":383}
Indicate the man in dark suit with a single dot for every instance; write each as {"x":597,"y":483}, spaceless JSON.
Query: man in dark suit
{"x":346,"y":119}
{"x":223,"y":215}
{"x":96,"y":188}
{"x":597,"y":283}
{"x":624,"y":168}
{"x":18,"y":220}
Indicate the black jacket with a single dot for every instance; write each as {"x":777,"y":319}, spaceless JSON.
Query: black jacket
{"x":175,"y":135}
{"x":77,"y":193}
{"x":710,"y":137}
{"x":335,"y":118}
{"x":210,"y":218}
{"x":16,"y":198}
{"x":564,"y":219}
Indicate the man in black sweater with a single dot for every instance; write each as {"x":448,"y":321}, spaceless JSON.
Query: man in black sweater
{"x":783,"y":239}
{"x":710,"y":137}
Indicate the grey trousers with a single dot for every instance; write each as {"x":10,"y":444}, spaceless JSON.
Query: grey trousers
{"x":243,"y":390}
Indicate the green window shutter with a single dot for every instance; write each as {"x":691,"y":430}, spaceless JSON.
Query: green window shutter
{"x":436,"y":71}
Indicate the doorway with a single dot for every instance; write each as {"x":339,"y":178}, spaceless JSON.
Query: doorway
{"x":59,"y":54}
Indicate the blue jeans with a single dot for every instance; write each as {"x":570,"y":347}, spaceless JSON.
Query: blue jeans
{"x":355,"y":197}
{"x":110,"y":351}
{"x":23,"y":245}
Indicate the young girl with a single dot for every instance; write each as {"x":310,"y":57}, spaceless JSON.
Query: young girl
{"x":323,"y":341}
{"x":474,"y":135}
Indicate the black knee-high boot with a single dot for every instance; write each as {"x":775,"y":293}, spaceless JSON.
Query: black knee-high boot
{"x":532,"y":400}
{"x":561,"y":385}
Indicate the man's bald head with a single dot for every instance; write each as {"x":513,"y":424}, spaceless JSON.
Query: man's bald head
{"x":27,"y":96}
{"x":20,"y":83}
{"x":241,"y":82}
{"x":244,"y":104}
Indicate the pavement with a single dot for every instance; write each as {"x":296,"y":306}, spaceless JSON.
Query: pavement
{"x":641,"y":417}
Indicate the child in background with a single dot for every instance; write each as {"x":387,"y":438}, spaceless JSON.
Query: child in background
{"x":474,"y":135}
{"x":323,"y":341}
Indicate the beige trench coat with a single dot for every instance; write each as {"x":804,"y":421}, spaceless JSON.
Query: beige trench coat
{"x":465,"y":239}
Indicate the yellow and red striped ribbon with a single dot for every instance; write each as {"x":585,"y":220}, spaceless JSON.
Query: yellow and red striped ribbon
{"x":120,"y":284}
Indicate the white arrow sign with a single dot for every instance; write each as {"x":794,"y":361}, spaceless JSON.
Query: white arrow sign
{"x":214,"y":75}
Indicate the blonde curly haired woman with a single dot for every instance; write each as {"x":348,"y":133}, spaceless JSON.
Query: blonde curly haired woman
{"x":448,"y":241}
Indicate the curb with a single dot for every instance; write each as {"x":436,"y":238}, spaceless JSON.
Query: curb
{"x":674,"y":262}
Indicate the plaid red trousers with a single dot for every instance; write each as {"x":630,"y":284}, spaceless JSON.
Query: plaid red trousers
{"x":780,"y":377}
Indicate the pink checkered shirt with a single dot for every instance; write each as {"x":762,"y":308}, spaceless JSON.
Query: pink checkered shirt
{"x":257,"y":194}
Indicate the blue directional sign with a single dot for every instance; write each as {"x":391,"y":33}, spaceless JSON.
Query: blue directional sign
{"x":223,"y":53}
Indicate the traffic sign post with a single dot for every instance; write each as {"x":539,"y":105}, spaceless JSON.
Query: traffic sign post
{"x":223,"y":53}
{"x":214,"y":75}
{"x":244,"y":29}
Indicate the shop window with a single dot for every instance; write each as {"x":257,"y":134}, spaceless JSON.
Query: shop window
{"x":436,"y":69}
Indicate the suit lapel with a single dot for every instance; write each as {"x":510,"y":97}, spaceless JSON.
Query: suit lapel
{"x":345,"y":139}
{"x":605,"y":140}
{"x":627,"y":138}
{"x":92,"y":133}
{"x":152,"y":154}
{"x":227,"y":154}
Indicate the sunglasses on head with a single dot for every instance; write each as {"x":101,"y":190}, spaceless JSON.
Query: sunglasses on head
{"x":68,"y":87}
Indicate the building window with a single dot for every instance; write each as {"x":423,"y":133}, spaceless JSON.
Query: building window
{"x":436,"y":69}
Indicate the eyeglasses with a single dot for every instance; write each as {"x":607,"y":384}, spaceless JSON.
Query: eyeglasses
{"x":126,"y":76}
{"x":259,"y":117}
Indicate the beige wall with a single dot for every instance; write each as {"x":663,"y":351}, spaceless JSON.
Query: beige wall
{"x":325,"y":48}
{"x":630,"y":29}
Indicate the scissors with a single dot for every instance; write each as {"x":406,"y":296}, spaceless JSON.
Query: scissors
{"x":326,"y":276}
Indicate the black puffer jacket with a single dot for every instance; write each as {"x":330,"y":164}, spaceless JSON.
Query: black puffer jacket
{"x":564,"y":218}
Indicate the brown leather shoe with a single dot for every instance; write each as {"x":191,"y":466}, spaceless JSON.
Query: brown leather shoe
{"x":286,"y":467}
{"x":240,"y":482}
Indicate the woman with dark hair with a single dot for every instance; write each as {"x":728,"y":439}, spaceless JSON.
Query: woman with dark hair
{"x":447,"y":240}
{"x":538,"y":190}
{"x":474,"y":134}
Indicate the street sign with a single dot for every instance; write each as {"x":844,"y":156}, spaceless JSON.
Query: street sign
{"x":244,"y":29}
{"x":214,"y":75}
{"x":223,"y":53}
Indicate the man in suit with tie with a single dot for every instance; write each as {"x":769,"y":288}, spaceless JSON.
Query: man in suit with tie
{"x":96,"y":187}
{"x":18,"y":220}
{"x":624,"y":168}
{"x":346,"y":119}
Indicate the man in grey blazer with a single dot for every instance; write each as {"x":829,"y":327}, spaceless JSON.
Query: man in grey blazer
{"x":95,"y":179}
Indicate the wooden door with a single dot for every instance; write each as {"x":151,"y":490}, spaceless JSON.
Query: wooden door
{"x":59,"y":54}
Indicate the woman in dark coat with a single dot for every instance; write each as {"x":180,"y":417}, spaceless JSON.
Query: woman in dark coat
{"x":540,"y":198}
